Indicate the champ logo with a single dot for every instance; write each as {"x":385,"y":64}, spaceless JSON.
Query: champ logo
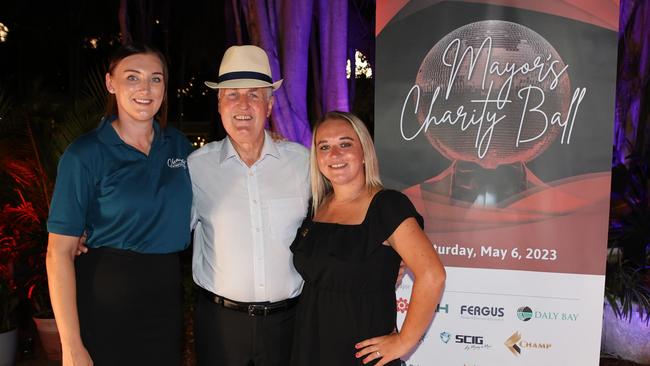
{"x":515,"y":344}
{"x":525,"y":313}
{"x":511,"y":343}
{"x":176,"y":163}
{"x":402,"y":305}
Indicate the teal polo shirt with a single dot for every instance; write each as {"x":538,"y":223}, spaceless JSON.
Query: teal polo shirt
{"x":121,"y":197}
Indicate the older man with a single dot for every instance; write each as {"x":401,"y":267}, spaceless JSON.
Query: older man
{"x":250,"y":196}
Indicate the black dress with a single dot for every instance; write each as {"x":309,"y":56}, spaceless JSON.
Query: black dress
{"x":349,"y":291}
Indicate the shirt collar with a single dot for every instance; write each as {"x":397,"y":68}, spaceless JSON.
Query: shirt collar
{"x":270,"y":148}
{"x":109,"y":136}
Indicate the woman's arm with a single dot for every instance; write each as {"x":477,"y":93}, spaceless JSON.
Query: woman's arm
{"x":61,"y":251}
{"x":412,"y":244}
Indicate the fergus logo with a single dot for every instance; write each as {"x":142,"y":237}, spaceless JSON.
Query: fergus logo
{"x":525,"y":313}
{"x":402,"y":305}
{"x":481,"y":312}
{"x":515,"y":344}
{"x":176,"y":163}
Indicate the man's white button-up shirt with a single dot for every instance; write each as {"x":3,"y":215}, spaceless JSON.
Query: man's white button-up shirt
{"x":245,"y":219}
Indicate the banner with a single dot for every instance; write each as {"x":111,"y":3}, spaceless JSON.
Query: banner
{"x":495,"y":118}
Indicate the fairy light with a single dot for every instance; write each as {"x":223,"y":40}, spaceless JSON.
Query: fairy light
{"x":4,"y":32}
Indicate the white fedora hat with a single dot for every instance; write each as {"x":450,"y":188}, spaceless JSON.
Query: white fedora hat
{"x":244,"y":67}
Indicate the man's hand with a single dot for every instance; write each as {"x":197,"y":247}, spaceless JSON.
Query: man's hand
{"x":277,"y":136}
{"x":82,"y":248}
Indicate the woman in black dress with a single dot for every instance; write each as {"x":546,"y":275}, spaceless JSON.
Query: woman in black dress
{"x":349,"y":253}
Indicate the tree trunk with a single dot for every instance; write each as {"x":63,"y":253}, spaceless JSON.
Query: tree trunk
{"x":333,"y":35}
{"x":123,"y":17}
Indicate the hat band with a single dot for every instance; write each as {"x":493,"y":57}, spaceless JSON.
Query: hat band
{"x":244,"y":75}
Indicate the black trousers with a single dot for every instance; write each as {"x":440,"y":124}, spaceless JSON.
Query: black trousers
{"x":130,"y":307}
{"x":225,"y":337}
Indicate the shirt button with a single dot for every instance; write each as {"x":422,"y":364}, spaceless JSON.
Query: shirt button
{"x":255,"y":201}
{"x":261,"y":285}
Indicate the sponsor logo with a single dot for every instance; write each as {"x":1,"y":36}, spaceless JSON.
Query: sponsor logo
{"x":525,"y":313}
{"x":468,"y":339}
{"x":515,"y":344}
{"x":402,"y":305}
{"x":469,"y":342}
{"x":176,"y":163}
{"x":442,"y":308}
{"x":482,"y":312}
{"x":404,"y":363}
{"x":445,"y":337}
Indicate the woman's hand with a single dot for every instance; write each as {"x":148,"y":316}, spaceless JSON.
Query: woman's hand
{"x":76,"y":356}
{"x":385,"y":348}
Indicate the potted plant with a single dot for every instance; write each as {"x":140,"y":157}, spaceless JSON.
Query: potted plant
{"x":26,"y":205}
{"x":33,"y":135}
{"x":626,"y":320}
{"x":23,"y":238}
{"x":8,"y":300}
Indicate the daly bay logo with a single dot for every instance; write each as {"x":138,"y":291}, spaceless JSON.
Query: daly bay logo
{"x":525,"y":313}
{"x":515,"y":344}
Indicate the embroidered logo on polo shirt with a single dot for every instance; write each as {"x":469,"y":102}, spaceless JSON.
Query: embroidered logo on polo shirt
{"x":176,"y":163}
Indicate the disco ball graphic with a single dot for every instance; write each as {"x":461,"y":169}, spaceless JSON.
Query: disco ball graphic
{"x":512,"y":44}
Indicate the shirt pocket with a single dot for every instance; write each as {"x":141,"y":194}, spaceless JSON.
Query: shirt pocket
{"x":285,"y":217}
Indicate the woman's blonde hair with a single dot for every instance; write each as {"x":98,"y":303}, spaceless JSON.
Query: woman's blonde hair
{"x":320,"y":185}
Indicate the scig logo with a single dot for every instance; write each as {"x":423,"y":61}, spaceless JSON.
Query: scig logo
{"x":445,"y":337}
{"x":469,"y":342}
{"x":176,"y":163}
{"x":515,"y":344}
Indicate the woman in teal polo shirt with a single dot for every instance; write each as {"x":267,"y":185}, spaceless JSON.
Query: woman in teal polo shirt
{"x":126,"y":186}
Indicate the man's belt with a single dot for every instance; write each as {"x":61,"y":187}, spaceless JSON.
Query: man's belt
{"x":252,"y":309}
